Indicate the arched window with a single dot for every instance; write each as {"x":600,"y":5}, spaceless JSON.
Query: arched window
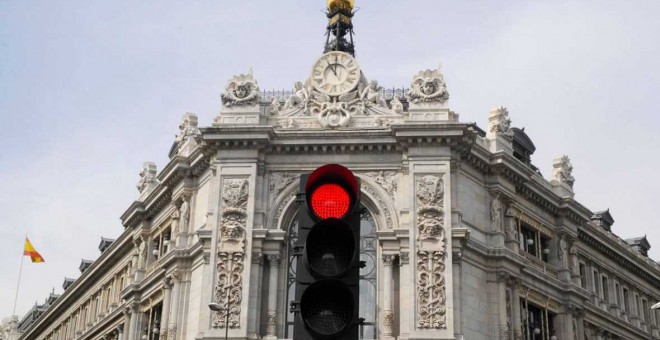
{"x":367,"y":277}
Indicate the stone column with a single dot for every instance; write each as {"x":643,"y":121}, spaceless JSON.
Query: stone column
{"x":165,"y":313}
{"x":255,"y":295}
{"x":271,"y":323}
{"x":134,"y":331}
{"x":126,"y":327}
{"x":174,"y":307}
{"x":517,"y":325}
{"x":388,"y":311}
{"x":120,"y":332}
{"x":504,"y":305}
{"x":406,"y":295}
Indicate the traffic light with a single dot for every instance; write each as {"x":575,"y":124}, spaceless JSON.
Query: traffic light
{"x":328,"y":250}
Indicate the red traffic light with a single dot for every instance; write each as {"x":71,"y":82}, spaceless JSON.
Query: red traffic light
{"x":331,"y":191}
{"x":330,"y":200}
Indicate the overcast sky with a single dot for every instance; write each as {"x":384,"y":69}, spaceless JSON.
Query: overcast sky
{"x":89,"y":90}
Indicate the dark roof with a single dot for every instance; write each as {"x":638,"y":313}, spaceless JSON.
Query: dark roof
{"x":603,"y":219}
{"x":639,"y":241}
{"x":67,"y":283}
{"x":105,"y":243}
{"x":84,"y":264}
{"x":523,"y":147}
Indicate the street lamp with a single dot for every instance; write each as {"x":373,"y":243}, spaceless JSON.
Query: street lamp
{"x":214,"y":306}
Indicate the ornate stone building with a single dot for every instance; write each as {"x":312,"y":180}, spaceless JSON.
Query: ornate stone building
{"x":462,"y":235}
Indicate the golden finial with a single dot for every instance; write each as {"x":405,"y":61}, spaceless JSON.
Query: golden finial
{"x":346,"y":5}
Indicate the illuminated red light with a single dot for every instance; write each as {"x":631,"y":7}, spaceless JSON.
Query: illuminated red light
{"x":330,"y":200}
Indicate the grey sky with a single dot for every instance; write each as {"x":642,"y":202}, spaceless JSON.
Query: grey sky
{"x":90,"y":90}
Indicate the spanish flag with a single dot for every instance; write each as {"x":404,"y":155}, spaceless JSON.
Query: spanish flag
{"x":33,"y":254}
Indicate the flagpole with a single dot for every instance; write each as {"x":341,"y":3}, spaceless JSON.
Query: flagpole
{"x":20,"y":270}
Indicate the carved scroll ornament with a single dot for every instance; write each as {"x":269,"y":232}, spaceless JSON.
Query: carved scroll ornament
{"x":231,"y":253}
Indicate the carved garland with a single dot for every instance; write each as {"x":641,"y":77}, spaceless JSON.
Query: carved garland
{"x":230,"y":257}
{"x":431,"y":295}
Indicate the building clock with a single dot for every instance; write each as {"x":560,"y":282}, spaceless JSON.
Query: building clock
{"x":335,"y":73}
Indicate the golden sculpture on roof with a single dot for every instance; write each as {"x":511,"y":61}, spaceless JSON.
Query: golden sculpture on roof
{"x":340,"y":4}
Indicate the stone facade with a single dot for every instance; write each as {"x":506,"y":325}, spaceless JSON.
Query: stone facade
{"x":469,"y":241}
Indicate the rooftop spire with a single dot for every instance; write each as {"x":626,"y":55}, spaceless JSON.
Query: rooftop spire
{"x":339,"y":36}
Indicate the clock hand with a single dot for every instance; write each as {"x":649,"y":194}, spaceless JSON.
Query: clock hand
{"x":332,"y":69}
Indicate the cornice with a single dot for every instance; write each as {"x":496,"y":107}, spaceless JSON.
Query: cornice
{"x":236,"y":136}
{"x":599,"y":317}
{"x":174,"y":172}
{"x":608,"y":248}
{"x":528,"y":183}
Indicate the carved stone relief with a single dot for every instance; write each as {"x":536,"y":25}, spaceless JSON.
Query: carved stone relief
{"x":378,"y":199}
{"x":499,"y":123}
{"x":430,"y":209}
{"x":388,"y":322}
{"x":431,"y":299}
{"x":431,"y":289}
{"x":147,"y":177}
{"x":279,"y":181}
{"x":231,"y":250}
{"x":271,"y":323}
{"x":386,"y":179}
{"x":562,"y":170}
{"x":229,"y":289}
{"x":496,"y":213}
{"x":397,"y":106}
{"x":324,"y":102}
{"x":241,"y":90}
{"x":187,"y":129}
{"x":511,"y":225}
{"x":428,"y":86}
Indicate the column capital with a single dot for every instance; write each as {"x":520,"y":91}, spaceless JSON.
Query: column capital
{"x":388,"y":259}
{"x":404,"y":258}
{"x":274,"y":259}
{"x":257,"y":258}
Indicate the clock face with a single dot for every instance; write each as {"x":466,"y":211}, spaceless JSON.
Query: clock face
{"x":335,"y":73}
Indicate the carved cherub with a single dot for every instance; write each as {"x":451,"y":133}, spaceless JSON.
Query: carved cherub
{"x":242,"y":90}
{"x":301,"y":96}
{"x":371,"y":94}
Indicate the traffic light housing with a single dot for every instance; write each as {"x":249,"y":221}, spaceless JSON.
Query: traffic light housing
{"x":328,"y":250}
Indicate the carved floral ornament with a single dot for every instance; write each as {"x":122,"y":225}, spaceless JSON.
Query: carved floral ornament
{"x":241,"y":90}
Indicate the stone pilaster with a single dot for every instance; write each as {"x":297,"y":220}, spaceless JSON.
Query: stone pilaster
{"x":271,"y":322}
{"x":388,"y":311}
{"x":256,"y":271}
{"x":174,"y":307}
{"x":165,"y":314}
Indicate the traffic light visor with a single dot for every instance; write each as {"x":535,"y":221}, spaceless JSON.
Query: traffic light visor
{"x":331,"y":191}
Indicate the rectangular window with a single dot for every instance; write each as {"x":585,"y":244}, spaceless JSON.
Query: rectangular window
{"x":626,"y":300}
{"x":528,"y":241}
{"x":596,"y":283}
{"x":645,"y":311}
{"x":606,"y":289}
{"x":583,"y":275}
{"x":617,"y":294}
